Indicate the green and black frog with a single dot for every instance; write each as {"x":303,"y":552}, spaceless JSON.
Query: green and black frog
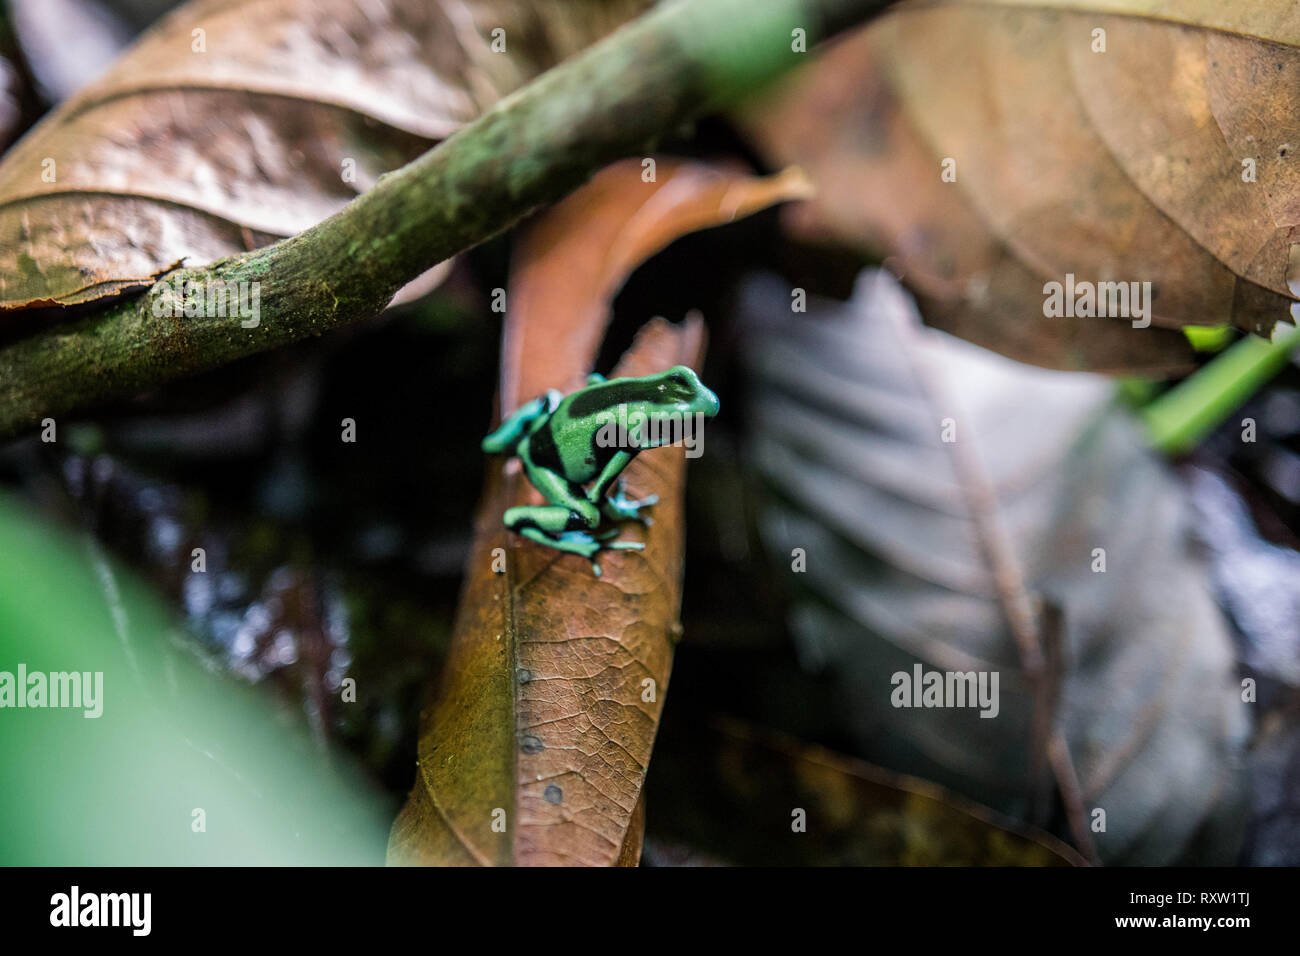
{"x":574,"y":449}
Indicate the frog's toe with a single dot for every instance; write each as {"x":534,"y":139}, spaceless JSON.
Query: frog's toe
{"x":634,"y":509}
{"x":633,"y":506}
{"x":623,"y":509}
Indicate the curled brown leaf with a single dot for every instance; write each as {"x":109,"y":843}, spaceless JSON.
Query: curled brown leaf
{"x":231,"y":125}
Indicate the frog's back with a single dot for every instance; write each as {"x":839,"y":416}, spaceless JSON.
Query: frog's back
{"x":557,"y":445}
{"x":568,"y":442}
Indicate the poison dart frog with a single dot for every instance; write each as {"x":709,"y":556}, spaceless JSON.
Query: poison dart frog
{"x":574,"y":447}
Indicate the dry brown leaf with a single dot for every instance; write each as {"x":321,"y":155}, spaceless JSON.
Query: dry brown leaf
{"x":290,"y":109}
{"x":541,"y":711}
{"x":1118,"y":165}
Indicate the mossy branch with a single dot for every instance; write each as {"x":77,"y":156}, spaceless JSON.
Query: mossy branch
{"x":616,"y":99}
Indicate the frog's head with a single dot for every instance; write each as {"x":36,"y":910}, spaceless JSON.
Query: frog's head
{"x":678,"y":392}
{"x":649,"y":411}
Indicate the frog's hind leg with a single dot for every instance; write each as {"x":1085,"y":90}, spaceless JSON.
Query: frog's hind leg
{"x":568,"y":522}
{"x":565,"y":523}
{"x":578,"y":542}
{"x":553,"y":521}
{"x":565,"y":527}
{"x":569,"y":508}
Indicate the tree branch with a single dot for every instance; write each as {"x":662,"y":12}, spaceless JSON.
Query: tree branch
{"x":616,"y":99}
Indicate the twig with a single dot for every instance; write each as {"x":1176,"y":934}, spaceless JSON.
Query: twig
{"x":1048,"y":744}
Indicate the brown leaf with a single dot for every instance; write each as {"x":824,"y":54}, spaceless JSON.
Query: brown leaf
{"x":541,"y":711}
{"x":290,"y":109}
{"x":1118,"y":165}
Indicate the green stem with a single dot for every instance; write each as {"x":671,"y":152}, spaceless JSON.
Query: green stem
{"x":1181,"y":417}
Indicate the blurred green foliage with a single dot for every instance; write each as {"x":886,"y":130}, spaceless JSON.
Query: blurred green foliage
{"x":176,"y":735}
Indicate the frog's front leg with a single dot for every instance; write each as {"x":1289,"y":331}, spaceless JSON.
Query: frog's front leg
{"x":619,"y":507}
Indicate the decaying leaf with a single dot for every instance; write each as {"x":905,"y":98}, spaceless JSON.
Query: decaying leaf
{"x":962,"y":513}
{"x":229,"y":125}
{"x":853,"y":814}
{"x":1111,"y":140}
{"x":546,"y":711}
